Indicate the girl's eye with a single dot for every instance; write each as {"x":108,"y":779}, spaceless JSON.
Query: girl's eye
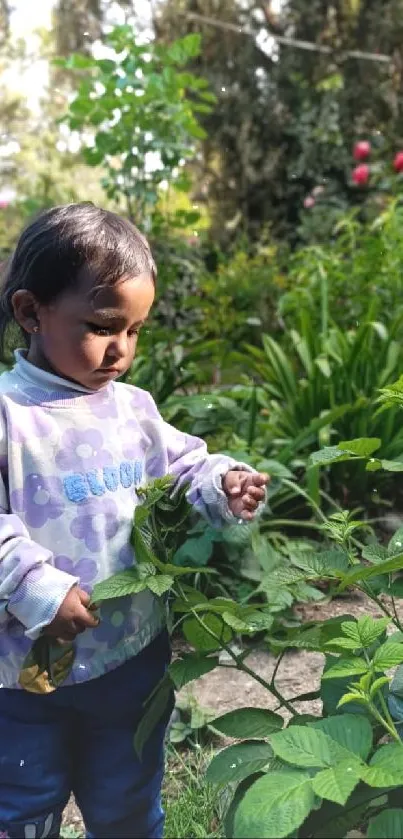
{"x":99,"y":330}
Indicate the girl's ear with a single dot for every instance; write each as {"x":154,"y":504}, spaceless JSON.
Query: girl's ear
{"x":26,"y":310}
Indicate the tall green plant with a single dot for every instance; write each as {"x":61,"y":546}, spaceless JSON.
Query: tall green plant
{"x":137,"y":115}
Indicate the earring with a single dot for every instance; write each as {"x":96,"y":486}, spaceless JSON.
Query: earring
{"x":36,"y":329}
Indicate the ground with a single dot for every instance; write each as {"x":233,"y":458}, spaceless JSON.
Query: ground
{"x":226,"y":689}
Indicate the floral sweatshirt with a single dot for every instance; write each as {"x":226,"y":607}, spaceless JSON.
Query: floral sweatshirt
{"x":70,"y":463}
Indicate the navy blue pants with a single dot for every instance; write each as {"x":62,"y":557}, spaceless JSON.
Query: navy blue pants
{"x":80,"y":739}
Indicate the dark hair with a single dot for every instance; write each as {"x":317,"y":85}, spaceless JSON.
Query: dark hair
{"x":54,"y":249}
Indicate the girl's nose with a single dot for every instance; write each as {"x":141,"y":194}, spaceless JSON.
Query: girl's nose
{"x":118,"y":347}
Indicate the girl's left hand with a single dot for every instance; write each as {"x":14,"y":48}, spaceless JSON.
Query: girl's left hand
{"x":245,"y":491}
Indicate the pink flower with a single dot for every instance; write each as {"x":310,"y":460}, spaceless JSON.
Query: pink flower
{"x":309,"y":202}
{"x":398,"y":162}
{"x":362,"y":150}
{"x":360,"y":174}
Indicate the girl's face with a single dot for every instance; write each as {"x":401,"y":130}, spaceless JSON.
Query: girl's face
{"x":88,"y":335}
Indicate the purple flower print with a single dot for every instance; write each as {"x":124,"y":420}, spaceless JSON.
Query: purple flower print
{"x":28,"y":424}
{"x":114,"y":619}
{"x":12,"y":636}
{"x":133,"y":442}
{"x":126,"y":557}
{"x":96,"y":522}
{"x":156,"y":465}
{"x":40,"y":499}
{"x":85,"y":569}
{"x":82,"y":451}
{"x":103,"y":404}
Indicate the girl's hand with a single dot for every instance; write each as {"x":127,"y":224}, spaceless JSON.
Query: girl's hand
{"x":245,"y":491}
{"x":72,"y":617}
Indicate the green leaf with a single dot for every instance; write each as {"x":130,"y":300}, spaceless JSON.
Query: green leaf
{"x":346,"y":667}
{"x":375,"y":553}
{"x":308,"y":747}
{"x":366,"y":630}
{"x":378,"y":684}
{"x":160,"y":584}
{"x":274,"y":806}
{"x":119,"y":585}
{"x":238,"y":761}
{"x":248,"y":722}
{"x":357,"y":574}
{"x":392,"y":465}
{"x":200,"y":638}
{"x":156,"y":707}
{"x":396,"y":543}
{"x":191,"y":666}
{"x":361,"y":447}
{"x":388,"y":655}
{"x":328,"y":455}
{"x":386,"y":767}
{"x":337,"y":783}
{"x":386,"y":825}
{"x":351,"y":731}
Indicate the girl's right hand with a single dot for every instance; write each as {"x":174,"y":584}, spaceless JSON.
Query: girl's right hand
{"x":72,"y":617}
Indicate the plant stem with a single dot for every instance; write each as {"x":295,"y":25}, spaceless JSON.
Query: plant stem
{"x":388,"y":716}
{"x":238,"y":659}
{"x":384,"y":723}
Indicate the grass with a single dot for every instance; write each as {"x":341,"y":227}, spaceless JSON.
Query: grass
{"x":192,"y":805}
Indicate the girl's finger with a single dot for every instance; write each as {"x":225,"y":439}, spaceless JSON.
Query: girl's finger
{"x":256,"y":492}
{"x":248,"y":502}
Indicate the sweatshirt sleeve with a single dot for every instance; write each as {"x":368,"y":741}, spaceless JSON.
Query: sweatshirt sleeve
{"x":190,"y":462}
{"x":31,"y":589}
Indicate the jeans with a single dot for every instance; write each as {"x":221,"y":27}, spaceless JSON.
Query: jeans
{"x":80,"y":739}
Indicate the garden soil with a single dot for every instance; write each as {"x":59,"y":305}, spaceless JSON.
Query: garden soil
{"x":224,"y":689}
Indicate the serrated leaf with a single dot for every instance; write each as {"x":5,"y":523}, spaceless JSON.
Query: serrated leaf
{"x":361,"y":447}
{"x":375,"y":553}
{"x":237,"y":762}
{"x":160,"y":584}
{"x":307,"y":747}
{"x":200,"y":638}
{"x":358,"y":574}
{"x":346,"y":667}
{"x":328,"y":455}
{"x":274,"y":806}
{"x":386,"y":825}
{"x":347,"y":698}
{"x":191,"y":666}
{"x":378,"y":684}
{"x":388,"y":655}
{"x":248,"y":722}
{"x":395,"y":545}
{"x":365,"y":630}
{"x":344,"y":643}
{"x":337,"y":783}
{"x":386,"y":767}
{"x":235,"y":623}
{"x":351,"y":731}
{"x":119,"y":585}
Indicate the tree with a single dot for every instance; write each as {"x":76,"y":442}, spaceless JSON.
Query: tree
{"x":78,"y":23}
{"x":286,"y":117}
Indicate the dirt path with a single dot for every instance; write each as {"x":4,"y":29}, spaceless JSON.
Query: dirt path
{"x":226,"y":689}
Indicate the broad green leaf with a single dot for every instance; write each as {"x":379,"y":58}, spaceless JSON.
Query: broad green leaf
{"x":386,"y":825}
{"x":361,"y":447}
{"x":346,"y":667}
{"x":357,"y":574}
{"x":395,"y":545}
{"x":388,"y":655}
{"x":191,"y":666}
{"x":160,"y":583}
{"x":351,"y":731}
{"x":337,"y":783}
{"x":200,"y":637}
{"x":119,"y":585}
{"x":248,"y":722}
{"x":308,"y":747}
{"x":155,"y":708}
{"x":274,"y":806}
{"x":235,"y":623}
{"x":344,"y":643}
{"x":375,"y":553}
{"x":392,"y":465}
{"x":328,"y":455}
{"x":366,"y":630}
{"x":386,"y":767}
{"x":238,"y":761}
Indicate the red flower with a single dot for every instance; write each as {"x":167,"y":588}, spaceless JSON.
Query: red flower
{"x":3,"y":206}
{"x":362,"y":150}
{"x":398,"y":162}
{"x":309,"y":202}
{"x":360,"y":174}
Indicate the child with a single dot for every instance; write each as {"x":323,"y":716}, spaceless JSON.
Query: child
{"x":74,"y":445}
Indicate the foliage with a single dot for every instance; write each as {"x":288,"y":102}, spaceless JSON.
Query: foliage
{"x":140,"y":107}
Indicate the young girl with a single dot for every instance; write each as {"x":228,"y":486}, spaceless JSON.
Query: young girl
{"x":74,"y":445}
